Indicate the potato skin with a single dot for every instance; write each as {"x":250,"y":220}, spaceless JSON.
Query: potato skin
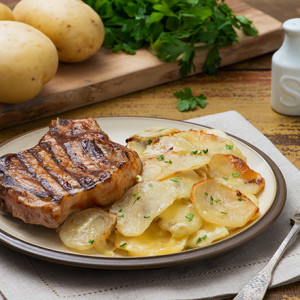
{"x":74,"y":27}
{"x":6,"y":13}
{"x":28,"y":60}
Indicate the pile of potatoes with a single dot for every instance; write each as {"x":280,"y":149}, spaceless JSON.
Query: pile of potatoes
{"x":36,"y":35}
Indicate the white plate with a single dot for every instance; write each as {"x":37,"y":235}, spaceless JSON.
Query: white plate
{"x":44,"y":243}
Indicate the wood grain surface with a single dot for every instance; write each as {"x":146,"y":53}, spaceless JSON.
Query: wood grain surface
{"x":244,"y":87}
{"x":107,"y":75}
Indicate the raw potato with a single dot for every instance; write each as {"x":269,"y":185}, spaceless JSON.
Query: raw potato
{"x":28,"y":60}
{"x":218,"y":204}
{"x":6,"y":13}
{"x":87,"y":228}
{"x":74,"y":27}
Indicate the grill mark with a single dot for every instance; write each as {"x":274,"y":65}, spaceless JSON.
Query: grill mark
{"x":92,"y":150}
{"x":72,"y":155}
{"x":9,"y":182}
{"x":99,"y":174}
{"x":43,"y":182}
{"x":63,"y":183}
{"x":85,"y":181}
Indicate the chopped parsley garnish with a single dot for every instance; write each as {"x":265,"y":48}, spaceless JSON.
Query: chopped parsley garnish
{"x":198,"y":152}
{"x":187,"y":101}
{"x":91,"y":241}
{"x":161,"y":157}
{"x":190,"y":217}
{"x":139,"y":178}
{"x":201,"y":238}
{"x":212,"y":200}
{"x":224,"y":212}
{"x":137,"y":198}
{"x":236,"y":174}
{"x":225,"y":178}
{"x":120,"y":210}
{"x":175,"y":179}
{"x":195,"y":152}
{"x":146,"y":217}
{"x":150,"y":185}
{"x":206,"y":193}
{"x":241,"y":199}
{"x":229,"y":147}
{"x":121,"y":216}
{"x":169,"y":161}
{"x":123,"y":245}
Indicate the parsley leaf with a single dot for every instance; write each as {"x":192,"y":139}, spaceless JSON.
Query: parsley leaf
{"x":187,"y":101}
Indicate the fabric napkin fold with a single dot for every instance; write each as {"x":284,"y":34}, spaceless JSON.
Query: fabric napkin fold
{"x":24,"y":277}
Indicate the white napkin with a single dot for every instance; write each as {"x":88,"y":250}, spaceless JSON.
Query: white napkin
{"x":23,"y":277}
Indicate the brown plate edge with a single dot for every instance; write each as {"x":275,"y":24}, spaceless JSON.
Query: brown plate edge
{"x":160,"y":261}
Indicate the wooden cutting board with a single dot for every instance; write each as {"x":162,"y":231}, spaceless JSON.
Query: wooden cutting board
{"x":107,"y":75}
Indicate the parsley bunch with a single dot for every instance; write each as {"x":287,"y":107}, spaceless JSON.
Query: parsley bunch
{"x":173,"y":29}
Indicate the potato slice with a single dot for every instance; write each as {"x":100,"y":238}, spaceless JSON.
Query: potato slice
{"x":152,"y":132}
{"x":171,"y":163}
{"x":162,"y":145}
{"x":154,"y":241}
{"x":141,"y":204}
{"x":183,"y":182}
{"x":206,"y":235}
{"x":235,"y":173}
{"x":152,"y":142}
{"x":138,"y":147}
{"x":221,"y":205}
{"x":215,"y":144}
{"x":217,"y":132}
{"x":87,"y":228}
{"x":180,"y":218}
{"x":105,"y":248}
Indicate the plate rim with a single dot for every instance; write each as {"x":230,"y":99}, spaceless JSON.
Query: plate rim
{"x":168,"y":260}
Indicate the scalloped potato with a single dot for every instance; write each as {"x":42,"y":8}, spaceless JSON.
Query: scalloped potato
{"x":219,"y":204}
{"x":187,"y":196}
{"x":85,"y":229}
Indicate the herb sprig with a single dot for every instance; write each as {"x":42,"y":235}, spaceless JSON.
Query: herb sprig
{"x":173,"y":29}
{"x":187,"y":101}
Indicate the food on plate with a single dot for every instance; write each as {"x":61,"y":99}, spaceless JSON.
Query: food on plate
{"x":195,"y":189}
{"x":28,"y":60}
{"x":229,"y":169}
{"x":221,"y":205}
{"x":75,"y":28}
{"x":87,"y":228}
{"x":6,"y":13}
{"x":141,"y":204}
{"x":73,"y":167}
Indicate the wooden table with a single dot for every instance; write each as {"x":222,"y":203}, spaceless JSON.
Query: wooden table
{"x":244,"y":87}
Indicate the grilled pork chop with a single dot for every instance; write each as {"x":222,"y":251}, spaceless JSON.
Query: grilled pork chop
{"x":74,"y":166}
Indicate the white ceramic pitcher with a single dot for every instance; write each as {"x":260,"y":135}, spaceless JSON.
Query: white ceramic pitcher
{"x":285,"y":86}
